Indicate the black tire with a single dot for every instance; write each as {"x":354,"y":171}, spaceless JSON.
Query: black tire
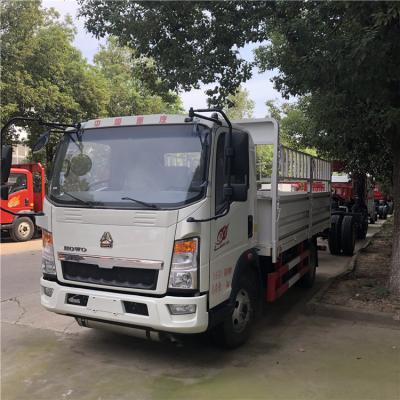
{"x":236,"y":329}
{"x":308,"y":279}
{"x":348,"y":235}
{"x":22,"y":229}
{"x":334,"y":238}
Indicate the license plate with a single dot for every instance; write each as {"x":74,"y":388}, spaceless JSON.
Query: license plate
{"x":104,"y":304}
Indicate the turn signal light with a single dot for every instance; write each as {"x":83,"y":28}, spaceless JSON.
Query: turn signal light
{"x":47,"y":238}
{"x":185,"y":246}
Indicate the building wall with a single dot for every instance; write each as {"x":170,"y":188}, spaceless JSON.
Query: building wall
{"x":20,"y":153}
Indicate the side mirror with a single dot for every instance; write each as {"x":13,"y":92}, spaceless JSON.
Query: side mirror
{"x":4,"y":192}
{"x":41,"y":142}
{"x":239,"y":168}
{"x":6,"y":160}
{"x":240,"y":161}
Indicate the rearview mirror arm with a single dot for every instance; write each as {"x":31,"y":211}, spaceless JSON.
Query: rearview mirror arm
{"x":191,"y":219}
{"x":228,"y":148}
{"x":55,"y":125}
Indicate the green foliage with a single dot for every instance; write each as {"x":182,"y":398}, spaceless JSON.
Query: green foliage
{"x":344,"y":57}
{"x":191,"y":42}
{"x":294,"y":123}
{"x":239,"y":105}
{"x":132,"y":84}
{"x":42,"y":73}
{"x":264,"y":160}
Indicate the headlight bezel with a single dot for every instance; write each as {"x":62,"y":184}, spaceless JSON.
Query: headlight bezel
{"x":194,"y":271}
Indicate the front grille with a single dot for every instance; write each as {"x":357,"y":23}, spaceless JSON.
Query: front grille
{"x":136,"y":278}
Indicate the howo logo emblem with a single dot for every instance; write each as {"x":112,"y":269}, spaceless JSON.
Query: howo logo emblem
{"x":106,"y":240}
{"x":75,"y":248}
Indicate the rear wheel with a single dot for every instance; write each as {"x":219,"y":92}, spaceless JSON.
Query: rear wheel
{"x":348,"y":235}
{"x":334,"y":234}
{"x":236,"y":329}
{"x":22,"y":229}
{"x":308,"y":279}
{"x":372,"y":219}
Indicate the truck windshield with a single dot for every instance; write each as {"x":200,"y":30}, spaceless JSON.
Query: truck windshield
{"x":136,"y":167}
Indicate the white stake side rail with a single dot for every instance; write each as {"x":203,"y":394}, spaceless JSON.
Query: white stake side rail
{"x":298,"y":166}
{"x":286,"y":218}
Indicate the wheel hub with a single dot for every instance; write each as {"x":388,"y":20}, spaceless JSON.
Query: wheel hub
{"x":241,"y":312}
{"x":24,"y":229}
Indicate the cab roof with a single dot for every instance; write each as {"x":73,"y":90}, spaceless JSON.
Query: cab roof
{"x":262,"y":130}
{"x":152,"y":119}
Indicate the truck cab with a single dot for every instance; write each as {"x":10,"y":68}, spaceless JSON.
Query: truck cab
{"x":151,"y":225}
{"x":26,"y":186}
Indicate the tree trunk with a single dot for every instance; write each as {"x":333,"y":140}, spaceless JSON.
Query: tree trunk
{"x":394,"y":280}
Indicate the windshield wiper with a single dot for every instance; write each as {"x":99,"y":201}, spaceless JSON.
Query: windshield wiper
{"x":150,"y":205}
{"x":86,"y":203}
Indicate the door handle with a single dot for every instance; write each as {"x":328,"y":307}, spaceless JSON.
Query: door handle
{"x":26,"y":202}
{"x":250,"y":226}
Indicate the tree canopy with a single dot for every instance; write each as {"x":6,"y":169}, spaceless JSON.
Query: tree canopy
{"x":132,"y":83}
{"x":191,"y":42}
{"x":294,"y":123}
{"x":44,"y":75}
{"x":345,"y":58}
{"x":239,"y":105}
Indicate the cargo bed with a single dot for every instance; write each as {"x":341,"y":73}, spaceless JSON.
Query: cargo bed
{"x":296,"y":203}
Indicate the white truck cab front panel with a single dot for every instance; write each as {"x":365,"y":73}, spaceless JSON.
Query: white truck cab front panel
{"x":145,"y":235}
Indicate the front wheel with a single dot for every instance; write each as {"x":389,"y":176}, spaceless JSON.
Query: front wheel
{"x":236,"y":329}
{"x":22,"y":229}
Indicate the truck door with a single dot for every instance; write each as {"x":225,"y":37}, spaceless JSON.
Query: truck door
{"x":231,"y":235}
{"x":20,"y":196}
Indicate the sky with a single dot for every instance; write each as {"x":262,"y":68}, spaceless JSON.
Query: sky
{"x":260,"y":87}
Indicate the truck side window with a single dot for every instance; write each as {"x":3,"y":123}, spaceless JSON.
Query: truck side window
{"x":37,"y":183}
{"x":18,"y":182}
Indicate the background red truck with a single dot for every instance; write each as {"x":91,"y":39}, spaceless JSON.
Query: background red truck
{"x":26,"y":193}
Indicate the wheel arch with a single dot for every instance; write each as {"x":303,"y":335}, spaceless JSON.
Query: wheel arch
{"x":248,"y":262}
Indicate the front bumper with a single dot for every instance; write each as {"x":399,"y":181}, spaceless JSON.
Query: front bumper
{"x":109,"y":307}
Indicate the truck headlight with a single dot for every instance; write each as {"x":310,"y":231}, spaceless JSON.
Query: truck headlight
{"x":48,"y":261}
{"x":184,"y":265}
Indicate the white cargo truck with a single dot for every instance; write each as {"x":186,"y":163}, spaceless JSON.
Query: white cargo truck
{"x":161,"y":224}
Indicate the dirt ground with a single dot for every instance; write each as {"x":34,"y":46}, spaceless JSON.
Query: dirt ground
{"x":290,"y":356}
{"x":366,"y":286}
